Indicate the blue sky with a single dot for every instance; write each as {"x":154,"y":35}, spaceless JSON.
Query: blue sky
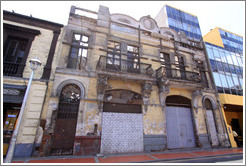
{"x":229,"y":15}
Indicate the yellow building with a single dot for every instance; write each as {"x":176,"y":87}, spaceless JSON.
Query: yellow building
{"x":118,"y":85}
{"x":225,"y":51}
{"x":125,"y":85}
{"x":25,"y":38}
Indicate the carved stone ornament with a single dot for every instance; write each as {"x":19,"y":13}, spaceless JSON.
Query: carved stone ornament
{"x":147,"y":89}
{"x":148,"y":23}
{"x":197,"y":93}
{"x":124,"y":20}
{"x":163,"y":86}
{"x":150,"y":71}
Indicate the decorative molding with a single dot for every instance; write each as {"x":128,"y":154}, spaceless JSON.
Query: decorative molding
{"x":212,"y":100}
{"x":163,"y":85}
{"x":124,"y":20}
{"x":197,"y":93}
{"x":71,"y":81}
{"x":147,"y":89}
{"x":148,"y":23}
{"x":150,"y":71}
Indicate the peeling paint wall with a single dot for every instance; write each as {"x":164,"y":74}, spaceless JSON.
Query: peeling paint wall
{"x":153,"y":121}
{"x":154,"y":115}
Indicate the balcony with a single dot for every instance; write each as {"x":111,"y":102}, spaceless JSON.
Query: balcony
{"x":182,"y":75}
{"x":124,"y":66}
{"x":12,"y":69}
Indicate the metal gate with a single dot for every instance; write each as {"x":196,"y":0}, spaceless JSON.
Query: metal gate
{"x":212,"y":128}
{"x":65,"y":128}
{"x":180,"y":132}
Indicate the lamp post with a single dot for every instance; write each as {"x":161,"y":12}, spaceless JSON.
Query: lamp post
{"x":34,"y":64}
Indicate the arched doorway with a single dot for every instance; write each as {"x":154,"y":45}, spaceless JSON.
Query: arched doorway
{"x":211,"y":128}
{"x":180,"y":131}
{"x":122,"y":122}
{"x":65,"y":127}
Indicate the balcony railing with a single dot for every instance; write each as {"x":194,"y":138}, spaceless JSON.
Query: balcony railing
{"x":12,"y":69}
{"x":178,"y":74}
{"x":124,"y":66}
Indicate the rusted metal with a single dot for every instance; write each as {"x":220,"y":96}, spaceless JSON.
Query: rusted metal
{"x":126,"y":66}
{"x":65,"y":128}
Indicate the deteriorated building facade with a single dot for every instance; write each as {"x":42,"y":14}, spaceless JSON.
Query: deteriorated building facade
{"x":125,"y":85}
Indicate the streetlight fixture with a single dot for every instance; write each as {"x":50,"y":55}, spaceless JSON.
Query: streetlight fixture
{"x":34,"y":64}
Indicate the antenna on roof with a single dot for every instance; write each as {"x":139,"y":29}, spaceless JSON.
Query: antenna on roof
{"x":13,"y":11}
{"x":31,"y":15}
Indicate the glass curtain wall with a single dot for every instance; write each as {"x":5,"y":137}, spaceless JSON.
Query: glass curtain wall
{"x":231,"y":42}
{"x":181,"y":21}
{"x":227,"y":68}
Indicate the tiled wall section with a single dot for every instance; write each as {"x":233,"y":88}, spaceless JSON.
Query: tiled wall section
{"x":122,"y":132}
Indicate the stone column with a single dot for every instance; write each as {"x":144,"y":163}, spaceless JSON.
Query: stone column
{"x":146,"y":91}
{"x":223,"y":137}
{"x":164,"y":90}
{"x":201,"y":139}
{"x":102,"y":83}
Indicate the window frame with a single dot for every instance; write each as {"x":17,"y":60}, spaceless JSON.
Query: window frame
{"x":76,"y":47}
{"x":13,"y":31}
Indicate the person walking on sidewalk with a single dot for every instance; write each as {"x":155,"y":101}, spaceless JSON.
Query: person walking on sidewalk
{"x":235,"y":135}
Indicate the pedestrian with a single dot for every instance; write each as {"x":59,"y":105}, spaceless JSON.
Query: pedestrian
{"x":235,"y":135}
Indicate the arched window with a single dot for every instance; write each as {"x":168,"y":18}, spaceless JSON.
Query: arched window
{"x":69,"y":101}
{"x":208,"y":104}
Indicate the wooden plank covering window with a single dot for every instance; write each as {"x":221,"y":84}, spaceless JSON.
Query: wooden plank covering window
{"x":122,"y":108}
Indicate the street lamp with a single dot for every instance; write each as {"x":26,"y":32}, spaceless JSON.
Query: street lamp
{"x":34,"y":64}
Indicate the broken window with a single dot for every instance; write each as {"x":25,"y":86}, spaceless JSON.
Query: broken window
{"x":114,"y":55}
{"x":78,"y":52}
{"x":133,"y":60}
{"x":165,"y":62}
{"x":179,"y":67}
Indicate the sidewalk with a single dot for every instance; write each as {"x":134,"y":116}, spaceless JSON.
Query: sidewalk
{"x":133,"y":158}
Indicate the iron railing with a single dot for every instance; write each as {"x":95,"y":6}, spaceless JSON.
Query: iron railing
{"x":12,"y":69}
{"x":124,"y":65}
{"x":178,"y":74}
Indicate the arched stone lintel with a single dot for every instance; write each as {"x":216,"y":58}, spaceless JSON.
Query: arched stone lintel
{"x":71,"y":81}
{"x":212,"y":100}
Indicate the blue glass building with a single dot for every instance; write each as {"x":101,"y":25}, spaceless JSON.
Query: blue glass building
{"x":225,"y":53}
{"x":226,"y":60}
{"x":180,"y":21}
